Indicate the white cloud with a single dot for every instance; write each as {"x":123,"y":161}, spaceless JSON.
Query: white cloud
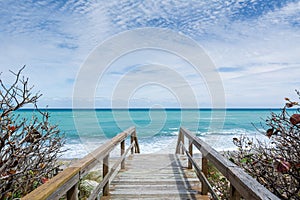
{"x":255,"y":48}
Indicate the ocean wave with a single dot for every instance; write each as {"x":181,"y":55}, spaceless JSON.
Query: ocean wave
{"x":157,"y":144}
{"x":163,"y":142}
{"x":166,"y":133}
{"x":235,"y":131}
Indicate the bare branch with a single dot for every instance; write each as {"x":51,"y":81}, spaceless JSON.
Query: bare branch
{"x":29,"y":148}
{"x":275,"y":164}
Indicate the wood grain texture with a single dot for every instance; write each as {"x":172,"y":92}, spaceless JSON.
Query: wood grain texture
{"x":56,"y":186}
{"x":245,"y":185}
{"x":69,"y":178}
{"x":156,"y":176}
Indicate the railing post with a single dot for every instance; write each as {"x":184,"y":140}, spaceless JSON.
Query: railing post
{"x":190,"y":165}
{"x":234,"y":194}
{"x":137,"y":147}
{"x":105,"y":171}
{"x":72,"y":194}
{"x":122,"y":152}
{"x":204,"y":187}
{"x":182,"y":147}
{"x":131,"y":141}
{"x":178,"y":142}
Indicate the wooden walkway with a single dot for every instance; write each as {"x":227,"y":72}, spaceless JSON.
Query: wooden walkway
{"x":152,"y":176}
{"x":156,"y":176}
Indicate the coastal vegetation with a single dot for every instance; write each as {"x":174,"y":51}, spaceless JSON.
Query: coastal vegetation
{"x":275,"y":163}
{"x":29,"y":146}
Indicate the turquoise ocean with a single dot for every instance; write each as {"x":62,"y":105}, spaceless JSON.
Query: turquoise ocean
{"x":157,"y":129}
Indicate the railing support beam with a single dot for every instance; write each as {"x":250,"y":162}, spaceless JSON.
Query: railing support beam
{"x":66,"y":182}
{"x":243,"y":185}
{"x":137,"y":147}
{"x":72,"y":194}
{"x":204,"y":187}
{"x":105,"y":171}
{"x":131,"y":141}
{"x":122,"y":153}
{"x":190,"y":165}
{"x":234,"y":194}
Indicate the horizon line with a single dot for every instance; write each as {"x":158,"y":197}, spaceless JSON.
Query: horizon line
{"x":167,"y":108}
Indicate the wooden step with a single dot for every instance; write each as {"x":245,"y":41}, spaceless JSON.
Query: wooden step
{"x":156,"y":197}
{"x":156,"y":176}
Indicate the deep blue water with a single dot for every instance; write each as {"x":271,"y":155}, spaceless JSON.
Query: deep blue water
{"x":157,"y":129}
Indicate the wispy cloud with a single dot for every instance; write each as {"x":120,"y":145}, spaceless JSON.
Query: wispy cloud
{"x":253,"y":43}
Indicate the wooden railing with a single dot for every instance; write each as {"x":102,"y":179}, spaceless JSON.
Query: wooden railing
{"x":241,"y":184}
{"x":66,"y":182}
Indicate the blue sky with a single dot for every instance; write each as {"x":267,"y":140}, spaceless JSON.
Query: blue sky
{"x":254,"y":45}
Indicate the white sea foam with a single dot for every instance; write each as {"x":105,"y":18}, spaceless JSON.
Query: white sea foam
{"x":222,"y":141}
{"x":159,"y":137}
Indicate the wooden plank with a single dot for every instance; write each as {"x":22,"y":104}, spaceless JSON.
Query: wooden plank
{"x":72,"y":194}
{"x":234,"y":194}
{"x":134,"y":138}
{"x":66,"y":180}
{"x":90,"y":160}
{"x":202,"y":174}
{"x":49,"y":190}
{"x":122,"y":153}
{"x":247,"y":186}
{"x":179,"y":140}
{"x":107,"y":175}
{"x":156,"y":176}
{"x":131,"y":141}
{"x":157,"y":196}
{"x":190,"y":165}
{"x":160,"y":186}
{"x":105,"y":172}
{"x":204,"y":170}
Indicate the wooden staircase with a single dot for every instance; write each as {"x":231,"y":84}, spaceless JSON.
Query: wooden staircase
{"x":156,"y":176}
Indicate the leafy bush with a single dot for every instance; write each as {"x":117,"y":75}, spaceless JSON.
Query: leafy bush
{"x":275,"y":163}
{"x":29,"y":148}
{"x":218,"y":182}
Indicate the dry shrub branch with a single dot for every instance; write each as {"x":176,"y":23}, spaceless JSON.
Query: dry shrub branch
{"x":29,"y":147}
{"x":274,"y":163}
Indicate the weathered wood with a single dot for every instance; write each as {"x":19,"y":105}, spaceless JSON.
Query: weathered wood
{"x":57,"y":186}
{"x":146,"y":175}
{"x":137,"y":147}
{"x":204,"y":170}
{"x":131,"y":141}
{"x":90,"y":160}
{"x":72,"y":194}
{"x":190,"y":166}
{"x":201,"y":174}
{"x":156,"y":176}
{"x":182,"y":146}
{"x":247,"y":186}
{"x":66,"y":180}
{"x":122,"y":153}
{"x":179,"y":140}
{"x":108,"y":176}
{"x":156,"y":196}
{"x":105,"y":172}
{"x":234,"y":194}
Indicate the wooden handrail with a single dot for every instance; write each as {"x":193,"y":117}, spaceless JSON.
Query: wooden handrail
{"x":66,"y":182}
{"x":199,"y":172}
{"x":241,"y":184}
